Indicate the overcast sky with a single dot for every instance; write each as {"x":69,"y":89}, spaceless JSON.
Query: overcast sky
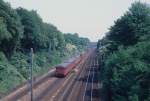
{"x":89,"y":18}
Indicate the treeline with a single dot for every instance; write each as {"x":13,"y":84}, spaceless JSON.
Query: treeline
{"x":20,"y":30}
{"x":125,"y":56}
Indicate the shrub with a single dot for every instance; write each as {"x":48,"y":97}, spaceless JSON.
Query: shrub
{"x":126,"y":71}
{"x":9,"y":76}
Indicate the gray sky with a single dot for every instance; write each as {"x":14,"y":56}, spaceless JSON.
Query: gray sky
{"x":89,"y":18}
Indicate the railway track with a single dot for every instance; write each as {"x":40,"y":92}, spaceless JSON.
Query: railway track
{"x":91,"y":91}
{"x":79,"y":86}
{"x":85,"y":87}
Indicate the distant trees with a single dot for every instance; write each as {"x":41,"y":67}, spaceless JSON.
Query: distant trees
{"x":76,"y":40}
{"x":38,"y":34}
{"x":125,"y":71}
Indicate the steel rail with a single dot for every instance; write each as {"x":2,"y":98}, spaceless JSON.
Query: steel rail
{"x":93,"y":66}
{"x":86,"y":85}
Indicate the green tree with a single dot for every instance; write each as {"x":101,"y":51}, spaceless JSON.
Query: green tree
{"x":33,"y":29}
{"x":12,"y":27}
{"x":125,"y":70}
{"x":76,"y":40}
{"x":5,"y":35}
{"x":130,"y":27}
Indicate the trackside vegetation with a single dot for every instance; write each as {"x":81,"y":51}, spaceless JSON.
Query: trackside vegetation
{"x":20,"y":30}
{"x":125,"y":56}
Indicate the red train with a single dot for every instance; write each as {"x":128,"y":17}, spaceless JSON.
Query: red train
{"x":63,"y":69}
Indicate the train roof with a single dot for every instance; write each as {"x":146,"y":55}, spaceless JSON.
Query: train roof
{"x":62,"y":65}
{"x":70,"y":60}
{"x":67,"y":62}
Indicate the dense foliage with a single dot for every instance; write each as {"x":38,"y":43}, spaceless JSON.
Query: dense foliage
{"x":74,"y":39}
{"x":125,"y":56}
{"x":20,"y":30}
